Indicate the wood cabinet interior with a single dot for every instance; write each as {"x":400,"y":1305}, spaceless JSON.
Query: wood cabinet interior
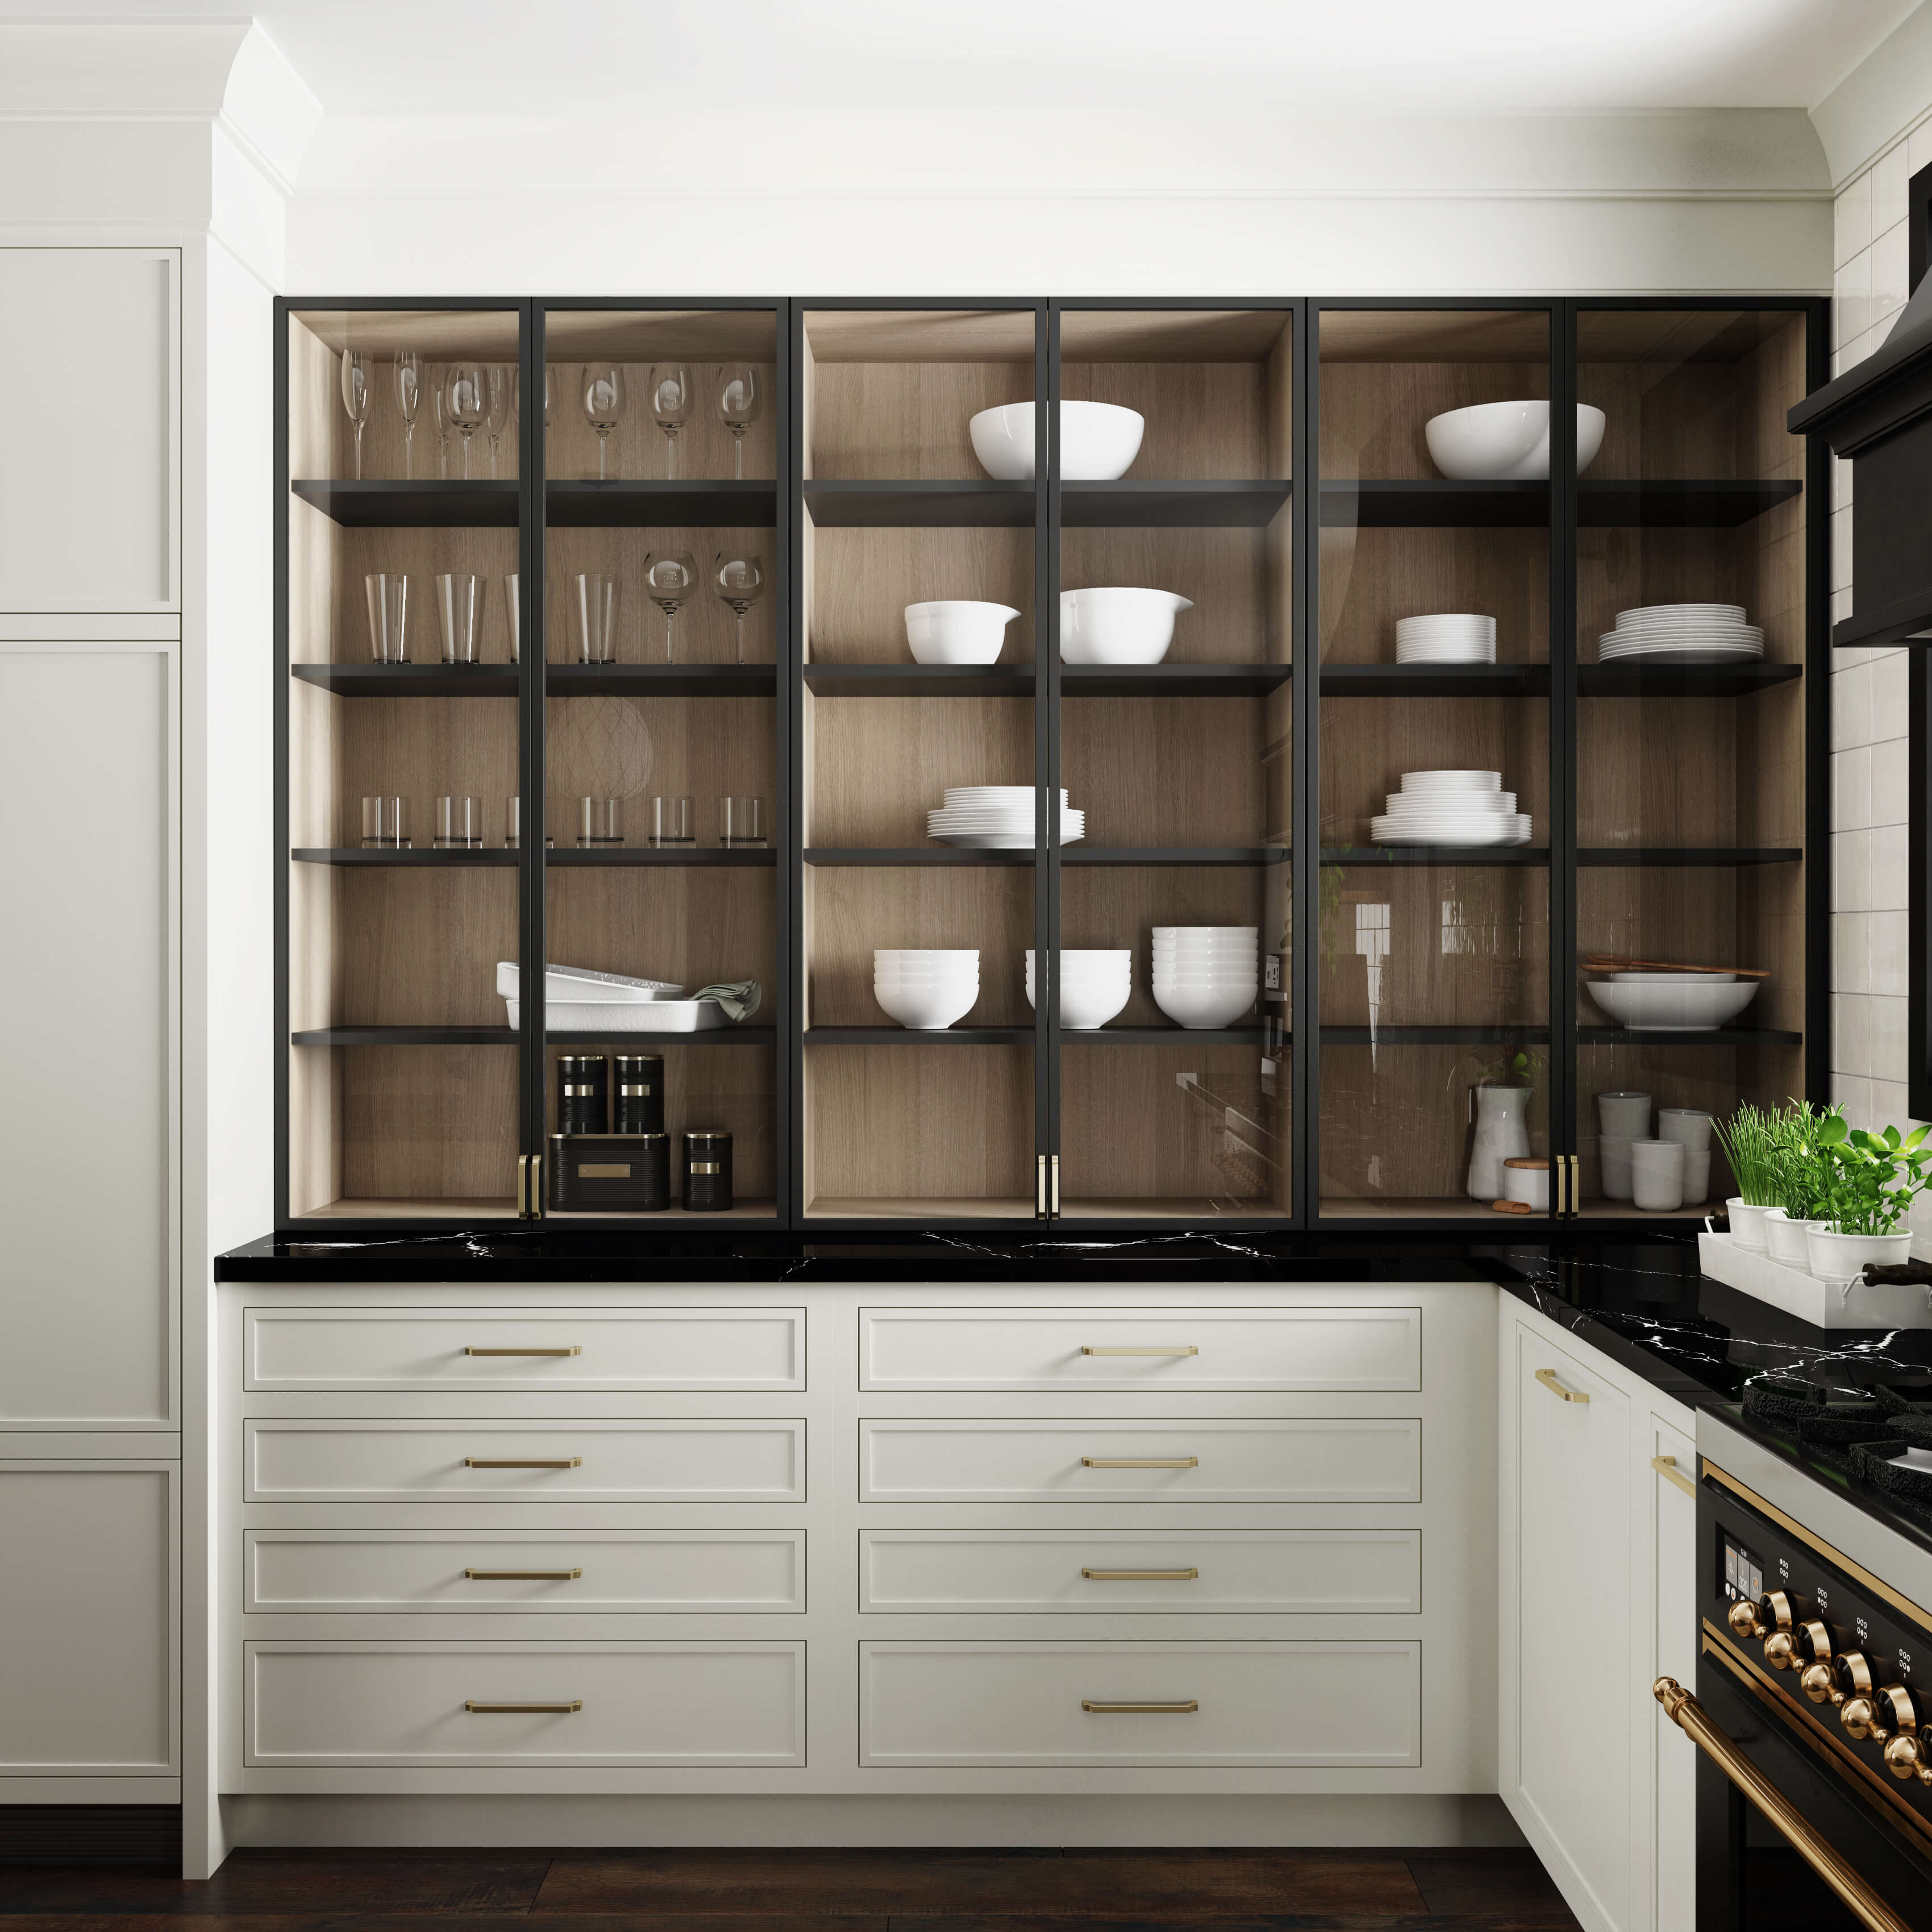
{"x":860,"y":581}
{"x":633,"y":749}
{"x":705,"y":630}
{"x":1372,"y":577}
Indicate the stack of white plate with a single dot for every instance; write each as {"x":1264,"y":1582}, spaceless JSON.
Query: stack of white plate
{"x":1451,"y":808}
{"x":1093,"y":987}
{"x":1682,"y":634}
{"x":1206,"y":976}
{"x":1451,"y":638}
{"x":996,"y":818}
{"x":926,"y":990}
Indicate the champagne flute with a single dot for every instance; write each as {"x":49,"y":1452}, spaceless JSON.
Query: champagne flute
{"x":741,"y":401}
{"x":552,"y":388}
{"x":436,"y":380}
{"x":603,"y":407}
{"x":357,"y":394}
{"x":501,"y":390}
{"x":671,"y":404}
{"x":669,"y":578}
{"x":466,"y":396}
{"x":408,"y":400}
{"x":740,"y":582}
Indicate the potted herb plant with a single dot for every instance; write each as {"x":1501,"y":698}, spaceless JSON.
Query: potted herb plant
{"x":1749,"y":1142}
{"x":1871,"y":1181}
{"x":1801,"y":1137}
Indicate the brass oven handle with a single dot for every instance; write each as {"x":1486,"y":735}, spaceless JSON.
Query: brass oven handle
{"x":497,"y":1462}
{"x":522,"y":1576}
{"x":1186,"y":1709}
{"x":524,"y":1351}
{"x":1185,"y":1348}
{"x":1140,"y":1576}
{"x":1665,"y":1466}
{"x":1858,"y":1898}
{"x":1140,"y":1462}
{"x":500,"y":1710}
{"x":1547,"y":1377}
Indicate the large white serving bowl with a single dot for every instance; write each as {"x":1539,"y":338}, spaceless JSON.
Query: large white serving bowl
{"x":1494,"y":441}
{"x":1671,"y":1004}
{"x":927,"y":1009}
{"x":1211,"y":1007}
{"x":1098,"y":441}
{"x":1117,"y":624}
{"x":957,"y":630}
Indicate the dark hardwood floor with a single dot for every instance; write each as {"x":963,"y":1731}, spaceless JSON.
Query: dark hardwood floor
{"x":754,"y":1891}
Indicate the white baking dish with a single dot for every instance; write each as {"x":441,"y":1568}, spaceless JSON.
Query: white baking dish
{"x":626,"y":1016}
{"x":566,"y":983}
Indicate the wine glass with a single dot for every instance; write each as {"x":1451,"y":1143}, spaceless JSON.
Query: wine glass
{"x":603,"y":407}
{"x":466,"y":399}
{"x":669,"y":578}
{"x":357,"y":394}
{"x":740,"y":582}
{"x":501,"y":382}
{"x":435,"y":383}
{"x":671,"y":404}
{"x":552,"y":388}
{"x":408,"y":400}
{"x":741,"y":401}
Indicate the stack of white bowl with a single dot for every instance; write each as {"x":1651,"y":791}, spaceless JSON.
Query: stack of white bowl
{"x":1093,"y":987}
{"x":1451,"y":638}
{"x":1206,"y":976}
{"x":1682,"y":634}
{"x":1451,"y":808}
{"x":926,"y":990}
{"x":996,"y":818}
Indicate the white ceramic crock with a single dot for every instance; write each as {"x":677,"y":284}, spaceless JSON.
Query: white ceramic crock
{"x":1747,"y":1220}
{"x":1837,"y":1257}
{"x":1784,"y":1239}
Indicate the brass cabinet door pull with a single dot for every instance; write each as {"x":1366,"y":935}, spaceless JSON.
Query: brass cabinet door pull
{"x":1858,"y":1898}
{"x":1185,"y":1709}
{"x":1140,"y":1462}
{"x":503,"y":1710}
{"x":500,"y":1462}
{"x":1053,"y":1185}
{"x":1665,"y":1466}
{"x":1182,"y":1348}
{"x":1140,"y":1576}
{"x":522,"y":1576}
{"x":524,"y":1351}
{"x":1547,"y":1377}
{"x":1040,"y":1187}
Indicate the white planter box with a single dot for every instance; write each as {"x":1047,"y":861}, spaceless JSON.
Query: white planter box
{"x":1825,"y":1304}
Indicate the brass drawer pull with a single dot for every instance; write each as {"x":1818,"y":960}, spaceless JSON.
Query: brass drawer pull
{"x":1140,"y":1462}
{"x":522,"y":1576}
{"x":500,"y":1462}
{"x":503,"y":1710}
{"x":1665,"y":1466}
{"x":1140,"y":1576}
{"x":1181,"y":1710}
{"x":523,"y":1351}
{"x":1187,"y":1349}
{"x":1547,"y":1377}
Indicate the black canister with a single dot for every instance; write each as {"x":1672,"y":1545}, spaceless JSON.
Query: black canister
{"x":636,"y":1097}
{"x":624,"y":1173}
{"x":581,"y":1090}
{"x":707,"y":1171}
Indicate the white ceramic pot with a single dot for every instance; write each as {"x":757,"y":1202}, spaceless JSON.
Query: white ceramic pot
{"x":1837,"y":1257}
{"x":1117,"y":624}
{"x":1502,"y":1133}
{"x":957,"y":630}
{"x":1657,"y":1175}
{"x":1746,"y":1219}
{"x":1785,"y":1240}
{"x":1626,"y":1115}
{"x":1696,"y":1176}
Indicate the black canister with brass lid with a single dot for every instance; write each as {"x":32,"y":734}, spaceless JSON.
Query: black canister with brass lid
{"x":707,"y":1171}
{"x":582,"y":1094}
{"x":637,"y":1093}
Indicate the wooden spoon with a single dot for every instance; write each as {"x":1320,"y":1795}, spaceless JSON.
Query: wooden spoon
{"x":1615,"y":962}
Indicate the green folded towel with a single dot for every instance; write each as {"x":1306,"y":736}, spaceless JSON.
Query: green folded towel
{"x":739,"y":997}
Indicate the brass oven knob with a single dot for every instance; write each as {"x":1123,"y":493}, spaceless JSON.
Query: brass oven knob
{"x":1860,"y":1717}
{"x":1808,"y":1650}
{"x":1881,"y":1714}
{"x":1819,"y":1683}
{"x":1854,"y":1677}
{"x":1744,"y":1620}
{"x":1907,"y":1756}
{"x":1781,"y":1650}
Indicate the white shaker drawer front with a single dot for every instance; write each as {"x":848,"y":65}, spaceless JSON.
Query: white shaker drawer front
{"x":532,"y":1704}
{"x":1258,"y":1570}
{"x":627,"y":1569}
{"x":1348,"y":1705}
{"x":1337,"y":1462}
{"x":1184,"y":1349}
{"x":516,"y":1350}
{"x":525,"y":1461}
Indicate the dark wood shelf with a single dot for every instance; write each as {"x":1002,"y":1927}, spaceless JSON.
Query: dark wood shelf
{"x":661,"y":855}
{"x":1595,"y":1036}
{"x":915,"y":503}
{"x":748,"y":1034}
{"x":490,"y":504}
{"x":1166,"y":1036}
{"x":1688,"y":855}
{"x":1439,"y":1035}
{"x":406,"y":1036}
{"x":1435,"y":855}
{"x":1656,"y":680}
{"x":389,"y":855}
{"x":1445,"y":502}
{"x":1131,"y":504}
{"x":661,"y":503}
{"x":1469,"y":680}
{"x":410,"y":680}
{"x":661,"y":680}
{"x":919,"y":680}
{"x":1173,"y":680}
{"x":917,"y":855}
{"x":1174,"y":855}
{"x":899,"y":1035}
{"x":1652,"y":504}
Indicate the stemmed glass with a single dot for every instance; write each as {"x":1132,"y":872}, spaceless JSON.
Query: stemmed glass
{"x":357,"y":394}
{"x":741,"y":401}
{"x":740,"y":582}
{"x":466,"y":399}
{"x":436,"y":382}
{"x":669,"y":578}
{"x":408,"y":400}
{"x":603,"y":401}
{"x":502,"y":380}
{"x":671,"y":404}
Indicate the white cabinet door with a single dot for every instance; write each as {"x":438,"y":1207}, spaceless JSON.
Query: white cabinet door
{"x":1673,"y":1569}
{"x":90,"y":489}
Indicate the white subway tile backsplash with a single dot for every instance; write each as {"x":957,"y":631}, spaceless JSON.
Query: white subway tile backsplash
{"x":1891,"y":765}
{"x":1886,"y":948}
{"x":1851,"y":297}
{"x":1850,"y":952}
{"x":1889,"y":174}
{"x":1851,"y":788}
{"x":1885,"y":1045}
{"x":1851,"y":872}
{"x":1841,"y":609}
{"x":1890,"y":691}
{"x":1887,"y":1103}
{"x":1891,"y":275}
{"x":1851,"y":221}
{"x":1851,"y":706}
{"x":1889,"y":888}
{"x":1851,"y":353}
{"x":1853,"y":1094}
{"x":1917,"y":148}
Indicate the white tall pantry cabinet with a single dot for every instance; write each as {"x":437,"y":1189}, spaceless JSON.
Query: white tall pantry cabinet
{"x":90,"y":1061}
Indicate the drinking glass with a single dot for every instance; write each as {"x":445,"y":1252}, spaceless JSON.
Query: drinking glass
{"x":741,"y":821}
{"x":513,"y":823}
{"x":388,"y":596}
{"x":740,"y":582}
{"x":408,"y":400}
{"x":671,"y":404}
{"x":603,"y":407}
{"x":385,"y":822}
{"x":357,"y":394}
{"x":513,"y":608}
{"x":593,"y":618}
{"x":500,"y":401}
{"x":600,"y":821}
{"x":436,"y":379}
{"x":552,"y":388}
{"x":741,"y":401}
{"x":459,"y":595}
{"x":671,"y":822}
{"x":669,"y":578}
{"x":459,"y":823}
{"x":466,"y":397}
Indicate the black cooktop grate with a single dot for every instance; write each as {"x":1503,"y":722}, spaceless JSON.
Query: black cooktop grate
{"x":1860,"y":1432}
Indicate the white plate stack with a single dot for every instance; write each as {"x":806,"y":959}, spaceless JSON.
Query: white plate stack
{"x":926,"y":990}
{"x":996,"y":818}
{"x":1206,"y":976}
{"x":1451,"y":808}
{"x":1689,"y":634}
{"x":1454,"y":637}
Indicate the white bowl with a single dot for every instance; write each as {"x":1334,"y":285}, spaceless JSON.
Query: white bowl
{"x":928,"y":952}
{"x":1199,"y":1011}
{"x":1498,"y":440}
{"x":1098,"y":441}
{"x":1674,"y":1006}
{"x":1117,"y":624}
{"x":927,"y":1009}
{"x":957,"y":630}
{"x":1093,"y":987}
